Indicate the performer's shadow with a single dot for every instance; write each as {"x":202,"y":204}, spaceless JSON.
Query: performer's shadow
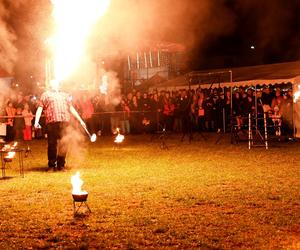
{"x":38,"y":169}
{"x":6,"y":178}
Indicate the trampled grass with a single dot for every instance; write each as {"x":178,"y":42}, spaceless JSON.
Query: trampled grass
{"x":192,"y":196}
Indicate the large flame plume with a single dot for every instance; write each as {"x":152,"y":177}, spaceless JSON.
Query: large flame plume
{"x":74,"y":20}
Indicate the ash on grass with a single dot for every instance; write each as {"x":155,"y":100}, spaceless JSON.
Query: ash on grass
{"x":197,"y":195}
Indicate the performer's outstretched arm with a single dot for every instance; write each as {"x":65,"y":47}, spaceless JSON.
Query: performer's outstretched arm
{"x":77,"y":116}
{"x":37,"y":117}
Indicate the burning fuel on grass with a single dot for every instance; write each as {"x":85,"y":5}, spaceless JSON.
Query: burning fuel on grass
{"x":119,"y":138}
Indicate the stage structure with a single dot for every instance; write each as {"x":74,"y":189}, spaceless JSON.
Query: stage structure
{"x":158,"y":62}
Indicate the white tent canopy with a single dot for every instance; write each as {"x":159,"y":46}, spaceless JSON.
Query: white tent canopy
{"x":243,"y":76}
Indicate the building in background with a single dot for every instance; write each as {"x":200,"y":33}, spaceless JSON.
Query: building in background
{"x":151,"y":62}
{"x":5,"y":78}
{"x":154,"y":62}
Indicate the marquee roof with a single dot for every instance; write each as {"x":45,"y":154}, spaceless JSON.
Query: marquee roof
{"x":253,"y":75}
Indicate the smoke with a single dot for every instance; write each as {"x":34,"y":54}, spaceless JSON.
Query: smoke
{"x":27,"y":24}
{"x":134,"y":25}
{"x":129,"y":25}
{"x":73,"y":142}
{"x":3,"y":96}
{"x":113,"y":92}
{"x":8,"y":51}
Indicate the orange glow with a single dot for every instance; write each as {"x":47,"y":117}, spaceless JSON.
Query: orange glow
{"x":74,"y":20}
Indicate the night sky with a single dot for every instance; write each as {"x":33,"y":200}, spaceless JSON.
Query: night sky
{"x":271,"y":26}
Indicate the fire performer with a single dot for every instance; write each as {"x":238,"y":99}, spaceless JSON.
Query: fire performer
{"x":58,"y":108}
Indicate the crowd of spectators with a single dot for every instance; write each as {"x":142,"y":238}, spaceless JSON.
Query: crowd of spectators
{"x":184,"y":110}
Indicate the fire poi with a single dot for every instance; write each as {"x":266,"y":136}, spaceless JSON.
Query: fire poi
{"x":92,"y":137}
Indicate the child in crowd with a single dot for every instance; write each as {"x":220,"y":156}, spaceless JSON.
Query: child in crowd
{"x":10,"y":112}
{"x":28,"y":116}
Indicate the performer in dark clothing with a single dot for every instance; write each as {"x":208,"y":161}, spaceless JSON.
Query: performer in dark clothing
{"x":19,"y":124}
{"x":185,"y":114}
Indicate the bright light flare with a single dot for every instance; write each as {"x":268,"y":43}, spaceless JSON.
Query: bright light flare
{"x":77,"y":183}
{"x":74,"y":20}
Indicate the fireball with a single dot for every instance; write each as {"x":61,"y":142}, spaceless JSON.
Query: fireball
{"x":74,"y":20}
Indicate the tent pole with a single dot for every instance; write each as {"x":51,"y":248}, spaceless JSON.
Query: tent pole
{"x":293,"y":110}
{"x":224,"y":115}
{"x":256,"y":116}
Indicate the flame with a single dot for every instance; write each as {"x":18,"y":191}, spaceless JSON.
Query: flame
{"x":297,"y":94}
{"x":104,"y":85}
{"x":10,"y":155}
{"x":77,"y":184}
{"x":9,"y":147}
{"x":74,"y":20}
{"x":119,"y":138}
{"x":14,"y":145}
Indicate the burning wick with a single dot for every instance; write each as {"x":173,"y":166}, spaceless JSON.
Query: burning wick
{"x":93,"y":138}
{"x":77,"y":184}
{"x":119,"y":138}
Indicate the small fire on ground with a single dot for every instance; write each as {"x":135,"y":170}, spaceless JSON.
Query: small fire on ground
{"x":119,"y":138}
{"x":11,"y":153}
{"x":77,"y":183}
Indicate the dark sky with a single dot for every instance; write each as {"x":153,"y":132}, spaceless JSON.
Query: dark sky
{"x":217,"y":33}
{"x":271,"y":26}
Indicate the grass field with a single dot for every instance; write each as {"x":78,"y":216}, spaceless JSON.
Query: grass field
{"x":192,"y":196}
